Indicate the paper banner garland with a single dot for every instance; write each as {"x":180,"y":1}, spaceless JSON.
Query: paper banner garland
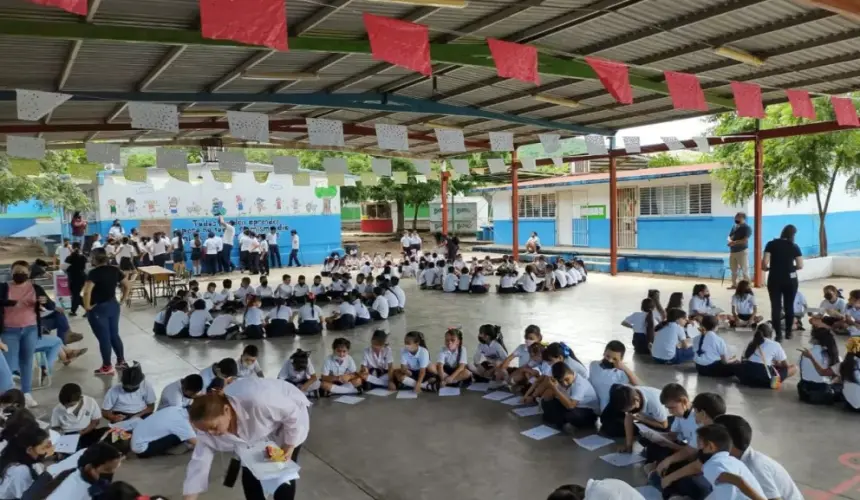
{"x":433,"y":175}
{"x":748,"y":99}
{"x":25,"y":147}
{"x":302,"y":179}
{"x":369,"y":179}
{"x":846,"y":112}
{"x":673,"y":143}
{"x":322,"y":132}
{"x":421,"y":179}
{"x":85,"y":171}
{"x":401,"y":177}
{"x":422,"y":166}
{"x":134,"y":174}
{"x":632,"y":145}
{"x":180,"y":174}
{"x":501,"y":141}
{"x":249,"y":126}
{"x":515,"y":60}
{"x":333,"y":165}
{"x":557,"y":161}
{"x":261,"y":177}
{"x":460,"y":166}
{"x":686,"y":91}
{"x":232,"y":161}
{"x":25,"y":167}
{"x":224,"y":176}
{"x":381,"y":167}
{"x":801,"y":104}
{"x":153,"y":116}
{"x":78,"y":7}
{"x":285,"y":165}
{"x":335,"y":179}
{"x":401,"y":43}
{"x":702,"y":144}
{"x":253,"y":22}
{"x":550,"y":142}
{"x":392,"y":137}
{"x":528,"y":164}
{"x":103,"y":153}
{"x":497,"y":165}
{"x":595,"y":145}
{"x":33,"y":105}
{"x":450,"y":141}
{"x":171,"y":158}
{"x":614,"y":76}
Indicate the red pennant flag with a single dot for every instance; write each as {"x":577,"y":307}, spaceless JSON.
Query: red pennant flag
{"x":78,"y":7}
{"x":614,"y":76}
{"x":400,"y":43}
{"x":255,"y":22}
{"x":801,"y":104}
{"x":686,"y":91}
{"x":846,"y":113}
{"x":515,"y":60}
{"x":748,"y":99}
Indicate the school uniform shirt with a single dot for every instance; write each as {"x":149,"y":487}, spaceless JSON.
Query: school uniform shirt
{"x":243,"y":292}
{"x":96,"y":244}
{"x":772,"y":352}
{"x":380,"y":361}
{"x":573,"y":276}
{"x":685,"y":427}
{"x":178,"y":320}
{"x":450,"y":358}
{"x":300,"y":290}
{"x":245,"y":243}
{"x":380,"y":305}
{"x":638,"y":321}
{"x":318,"y":289}
{"x":561,"y":277}
{"x":337,"y":286}
{"x":214,"y":297}
{"x":479,"y":280}
{"x":391,"y":298}
{"x":248,"y":370}
{"x":417,"y":361}
{"x":723,"y":462}
{"x":281,"y":312}
{"x":363,"y":288}
{"x":800,"y":304}
{"x":575,"y":366}
{"x":666,"y":340}
{"x":400,"y":294}
{"x":197,"y":323}
{"x":651,"y":406}
{"x":700,"y":305}
{"x":169,"y":421}
{"x":839,"y":305}
{"x":265,"y":291}
{"x":219,"y":326}
{"x":450,"y":283}
{"x":211,"y":245}
{"x":338,"y":366}
{"x":610,"y":489}
{"x":159,"y":318}
{"x":850,"y":390}
{"x":310,"y":313}
{"x":405,"y":242}
{"x":62,"y":254}
{"x":208,"y":375}
{"x":506,"y":281}
{"x":289,"y":373}
{"x":426,"y":277}
{"x":159,"y":247}
{"x":807,"y":368}
{"x":125,"y":252}
{"x":73,"y":487}
{"x":76,"y":418}
{"x":521,"y":354}
{"x":465,"y":283}
{"x":602,"y":379}
{"x":266,"y":409}
{"x":346,"y":308}
{"x":253,"y":316}
{"x":713,"y":347}
{"x":529,"y":282}
{"x":264,"y":247}
{"x":492,"y":352}
{"x":284,"y":291}
{"x":360,"y":309}
{"x":17,"y":480}
{"x":583,"y":393}
{"x":774,"y":480}
{"x":172,"y":396}
{"x":854,"y":312}
{"x":366,"y":269}
{"x":118,"y":400}
{"x":745,"y":304}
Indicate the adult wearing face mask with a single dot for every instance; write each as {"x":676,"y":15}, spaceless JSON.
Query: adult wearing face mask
{"x":103,"y":309}
{"x":21,"y":300}
{"x":782,"y":259}
{"x":739,"y":255}
{"x":250,"y":411}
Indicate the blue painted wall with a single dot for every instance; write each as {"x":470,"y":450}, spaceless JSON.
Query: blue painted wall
{"x":684,"y":233}
{"x":598,"y":233}
{"x":22,"y":216}
{"x":842,"y":231}
{"x":503,"y":233}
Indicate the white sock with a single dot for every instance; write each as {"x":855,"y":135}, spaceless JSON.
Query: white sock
{"x":409,"y":382}
{"x":315,"y":386}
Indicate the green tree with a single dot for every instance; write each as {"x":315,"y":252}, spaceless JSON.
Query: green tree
{"x":664,"y":160}
{"x":795,"y":168}
{"x":52,"y":188}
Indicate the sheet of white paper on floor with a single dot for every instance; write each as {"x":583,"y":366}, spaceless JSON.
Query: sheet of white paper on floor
{"x":271,"y":474}
{"x":540,"y":432}
{"x":514,"y":401}
{"x":349,"y":400}
{"x":66,"y":444}
{"x":623,"y":459}
{"x":380,"y":392}
{"x":449,"y":391}
{"x":407,"y":395}
{"x":479,"y":387}
{"x":497,"y":396}
{"x":652,"y":435}
{"x":593,"y":442}
{"x":69,"y":463}
{"x":528,"y":411}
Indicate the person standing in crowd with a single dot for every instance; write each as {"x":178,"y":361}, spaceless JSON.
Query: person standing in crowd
{"x":274,"y":251}
{"x":213,"y":253}
{"x":79,"y":227}
{"x":159,"y":247}
{"x":62,"y":253}
{"x":178,"y":244}
{"x":405,"y":243}
{"x":227,"y":244}
{"x":245,"y":244}
{"x":414,"y":242}
{"x":77,"y":274}
{"x":103,"y":309}
{"x":294,"y":251}
{"x":782,"y":258}
{"x":739,"y":255}
{"x":116,"y":232}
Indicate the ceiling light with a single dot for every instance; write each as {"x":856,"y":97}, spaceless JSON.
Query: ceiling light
{"x":442,"y":126}
{"x":559,"y":101}
{"x":453,"y":4}
{"x":739,"y":56}
{"x":204,"y":113}
{"x":280,"y":77}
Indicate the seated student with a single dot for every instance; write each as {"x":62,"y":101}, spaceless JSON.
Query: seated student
{"x":377,"y":365}
{"x":23,"y":459}
{"x":671,"y":345}
{"x":817,"y":367}
{"x":491,"y":353}
{"x":362,"y":315}
{"x":559,"y":278}
{"x":397,"y":290}
{"x":764,"y":362}
{"x":77,"y":413}
{"x":680,"y":474}
{"x":132,"y":397}
{"x":486,"y":266}
{"x":507,"y":282}
{"x":300,"y":291}
{"x":310,"y":317}
{"x":319,"y":290}
{"x":224,"y":326}
{"x":849,"y":372}
{"x":336,"y":288}
{"x":367,"y":267}
{"x":181,"y":392}
{"x":266,"y":293}
{"x":379,"y":307}
{"x":643,"y":402}
{"x":414,"y":363}
{"x":285,"y":289}
{"x":744,"y":308}
{"x":393,"y":302}
{"x":299,"y":371}
{"x":361,"y":286}
{"x":177,"y":324}
{"x":328,"y":265}
{"x":682,"y":429}
{"x":700,"y":302}
{"x":451,"y":369}
{"x":774,"y":480}
{"x":198,"y":322}
{"x":573,"y":275}
{"x":528,"y":282}
{"x":213,"y":297}
{"x":831,"y":311}
{"x":343,"y":318}
{"x":540,"y":266}
{"x":559,"y":352}
{"x":464,"y":281}
{"x":715,"y":443}
{"x":478,"y":282}
{"x":248,"y":364}
{"x":606,"y":374}
{"x":451,"y":281}
{"x":439,"y":275}
{"x":567,"y":399}
{"x":241,"y":294}
{"x":524,"y":377}
{"x":159,"y":327}
{"x":339,"y":373}
{"x":215,"y":371}
{"x":87,"y":477}
{"x":643,"y":324}
{"x":165,"y":432}
{"x":602,"y":489}
{"x":279,"y":321}
{"x":230,"y":299}
{"x":425,"y":276}
{"x":711,"y":354}
{"x":252,"y":320}
{"x":852,"y":313}
{"x":800,"y":309}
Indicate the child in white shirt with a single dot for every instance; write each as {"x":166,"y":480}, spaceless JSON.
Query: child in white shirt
{"x":253,"y":319}
{"x":224,"y":326}
{"x":339,"y":373}
{"x":299,"y":371}
{"x":279,"y":321}
{"x":77,"y":413}
{"x":248,"y":364}
{"x":177,"y":323}
{"x":450,"y":283}
{"x":377,"y":365}
{"x":451,"y":368}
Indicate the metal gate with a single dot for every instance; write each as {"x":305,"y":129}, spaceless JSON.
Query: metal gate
{"x":580,"y":220}
{"x":628,"y":205}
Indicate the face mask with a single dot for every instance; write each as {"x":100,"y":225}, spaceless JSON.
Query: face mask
{"x":264,"y":283}
{"x":828,"y":296}
{"x":606,"y":365}
{"x":20,"y":277}
{"x":738,"y":221}
{"x":530,"y":342}
{"x":248,"y":364}
{"x":194,"y":288}
{"x":703,"y":456}
{"x":130,"y":388}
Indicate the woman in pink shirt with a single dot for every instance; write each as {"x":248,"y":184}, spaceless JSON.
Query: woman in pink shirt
{"x":250,"y":411}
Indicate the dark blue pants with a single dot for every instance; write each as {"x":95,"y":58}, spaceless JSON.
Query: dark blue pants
{"x":275,"y":256}
{"x":294,"y":256}
{"x":211,"y":264}
{"x":104,"y":320}
{"x":57,"y":321}
{"x":226,"y":254}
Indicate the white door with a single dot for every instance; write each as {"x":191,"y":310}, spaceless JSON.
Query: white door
{"x":628,"y":209}
{"x":564,"y":213}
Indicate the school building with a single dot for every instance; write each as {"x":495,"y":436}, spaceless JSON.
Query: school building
{"x":671,"y":220}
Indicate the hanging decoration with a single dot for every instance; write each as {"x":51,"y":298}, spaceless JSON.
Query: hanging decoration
{"x":333,"y":165}
{"x":302,"y":179}
{"x":24,"y":168}
{"x":401,"y":43}
{"x":515,"y":60}
{"x":497,"y":165}
{"x":421,"y":179}
{"x":180,"y":174}
{"x":335,"y":179}
{"x":685,"y":90}
{"x":78,"y":7}
{"x":261,"y":177}
{"x":550,"y":142}
{"x":748,"y":99}
{"x":702,"y":144}
{"x":557,"y":161}
{"x":134,"y":174}
{"x":433,"y":175}
{"x":232,"y":161}
{"x":248,"y":126}
{"x":460,"y":166}
{"x":673,"y":143}
{"x":501,"y":141}
{"x":285,"y":165}
{"x":322,"y":132}
{"x":369,"y":179}
{"x":153,"y":116}
{"x":253,"y":22}
{"x":171,"y":158}
{"x":85,"y":171}
{"x":381,"y":167}
{"x":400,"y":177}
{"x":846,"y":112}
{"x":801,"y":104}
{"x":103,"y":153}
{"x":421,"y":166}
{"x":595,"y":145}
{"x":450,"y":140}
{"x":224,"y":176}
{"x":633,"y":144}
{"x":33,"y":105}
{"x":25,"y":147}
{"x":614,"y":76}
{"x":528,"y":164}
{"x":392,"y":137}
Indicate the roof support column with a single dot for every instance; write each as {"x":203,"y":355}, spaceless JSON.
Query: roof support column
{"x":759,"y":195}
{"x":444,"y":195}
{"x":613,"y":211}
{"x":515,"y":207}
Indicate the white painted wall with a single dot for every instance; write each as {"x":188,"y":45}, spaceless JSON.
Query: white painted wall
{"x":502,"y":205}
{"x":564,"y":214}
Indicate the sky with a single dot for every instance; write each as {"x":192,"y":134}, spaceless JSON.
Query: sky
{"x":681,"y":129}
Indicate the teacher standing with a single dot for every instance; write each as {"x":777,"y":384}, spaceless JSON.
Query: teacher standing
{"x":103,"y":309}
{"x":739,"y":255}
{"x":249,"y":412}
{"x":782,"y":259}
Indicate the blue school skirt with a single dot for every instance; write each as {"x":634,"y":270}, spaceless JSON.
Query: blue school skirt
{"x":640,"y":343}
{"x":755,"y":375}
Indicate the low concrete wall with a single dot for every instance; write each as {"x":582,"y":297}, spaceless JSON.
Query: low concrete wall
{"x":848,"y":267}
{"x":825,"y":267}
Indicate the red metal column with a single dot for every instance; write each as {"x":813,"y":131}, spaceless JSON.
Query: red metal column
{"x":613,"y":216}
{"x":759,"y":195}
{"x":444,"y":180}
{"x":515,"y":207}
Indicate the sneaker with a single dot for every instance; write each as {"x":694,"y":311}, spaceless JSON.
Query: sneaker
{"x":45,"y":379}
{"x":73,"y":337}
{"x":104,"y":370}
{"x":29,"y":401}
{"x":121,"y":365}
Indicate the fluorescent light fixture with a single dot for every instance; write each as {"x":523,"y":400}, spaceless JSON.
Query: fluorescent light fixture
{"x":559,"y":101}
{"x":442,"y":126}
{"x":203,"y":113}
{"x":453,"y":4}
{"x":739,"y":55}
{"x":280,"y":77}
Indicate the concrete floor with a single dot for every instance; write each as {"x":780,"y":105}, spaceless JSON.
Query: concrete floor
{"x":466,"y":447}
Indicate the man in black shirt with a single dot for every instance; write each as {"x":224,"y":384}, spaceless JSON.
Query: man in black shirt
{"x":739,"y":255}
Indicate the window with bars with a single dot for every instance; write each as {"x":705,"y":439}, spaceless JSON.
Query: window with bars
{"x":693,"y":199}
{"x":537,"y":206}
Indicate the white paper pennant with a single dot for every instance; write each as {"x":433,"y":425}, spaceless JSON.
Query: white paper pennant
{"x":557,"y":161}
{"x":171,"y":158}
{"x":421,"y":179}
{"x":497,"y":165}
{"x":702,"y":144}
{"x":153,"y":116}
{"x":349,"y":181}
{"x":25,"y":147}
{"x":232,"y":161}
{"x":528,"y":164}
{"x":595,"y":144}
{"x":673,"y":143}
{"x":461,"y":167}
{"x":334,"y":165}
{"x":33,"y":104}
{"x":550,"y":142}
{"x":248,"y":126}
{"x":103,"y":153}
{"x":322,"y":132}
{"x":381,"y":167}
{"x":501,"y":141}
{"x":422,"y":166}
{"x":450,"y":141}
{"x":285,"y":165}
{"x":632,"y":144}
{"x":395,"y":137}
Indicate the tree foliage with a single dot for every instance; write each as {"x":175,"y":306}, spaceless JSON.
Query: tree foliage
{"x":52,"y":188}
{"x":795,"y":168}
